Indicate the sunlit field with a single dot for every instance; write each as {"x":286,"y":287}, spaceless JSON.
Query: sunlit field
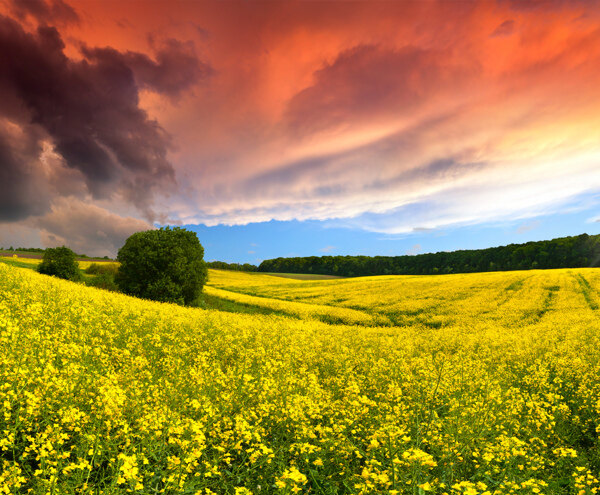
{"x":33,"y":262}
{"x":473,"y":384}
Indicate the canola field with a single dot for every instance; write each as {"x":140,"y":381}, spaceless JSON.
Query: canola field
{"x":455,"y":384}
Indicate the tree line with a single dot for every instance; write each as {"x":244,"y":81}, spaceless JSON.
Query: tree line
{"x":22,"y":249}
{"x":238,"y":267}
{"x":565,"y":252}
{"x":43,"y":250}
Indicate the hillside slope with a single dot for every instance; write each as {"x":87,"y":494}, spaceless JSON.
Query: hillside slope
{"x":100,"y":391}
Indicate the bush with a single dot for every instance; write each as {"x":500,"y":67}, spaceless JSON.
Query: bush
{"x":93,"y":269}
{"x":102,"y":268}
{"x":60,"y":262}
{"x":104,"y":281}
{"x":163,"y":265}
{"x":104,"y":275}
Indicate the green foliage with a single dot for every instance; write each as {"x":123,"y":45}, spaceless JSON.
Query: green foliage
{"x":60,"y":262}
{"x":104,"y":281}
{"x":93,"y":269}
{"x":103,"y":276}
{"x":28,"y":250}
{"x":208,"y":301}
{"x":237,"y":267}
{"x":102,"y":268}
{"x":18,"y":263}
{"x":565,"y":252}
{"x":163,"y":265}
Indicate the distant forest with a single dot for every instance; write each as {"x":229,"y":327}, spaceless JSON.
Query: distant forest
{"x":30,"y":250}
{"x":565,"y":252}
{"x":221,"y":265}
{"x":22,"y":249}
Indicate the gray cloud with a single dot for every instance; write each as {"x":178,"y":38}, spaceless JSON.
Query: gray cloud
{"x":18,"y":235}
{"x":22,"y":189}
{"x":176,"y":68}
{"x":87,"y":228}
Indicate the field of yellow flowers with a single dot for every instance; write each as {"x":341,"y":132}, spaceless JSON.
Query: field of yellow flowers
{"x":458,"y":384}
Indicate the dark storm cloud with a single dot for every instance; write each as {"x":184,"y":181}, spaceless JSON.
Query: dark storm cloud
{"x":22,"y":191}
{"x":89,"y":111}
{"x":175,"y":69}
{"x":51,"y":12}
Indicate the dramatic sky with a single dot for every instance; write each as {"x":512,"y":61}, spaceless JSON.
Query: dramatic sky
{"x":299,"y":128}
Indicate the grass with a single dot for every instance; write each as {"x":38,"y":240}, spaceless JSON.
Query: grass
{"x":208,"y":301}
{"x":17,"y":262}
{"x":300,"y":276}
{"x":587,"y":291}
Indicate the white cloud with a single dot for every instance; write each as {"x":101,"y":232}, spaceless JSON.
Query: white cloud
{"x":528,"y":226}
{"x":416,"y":249}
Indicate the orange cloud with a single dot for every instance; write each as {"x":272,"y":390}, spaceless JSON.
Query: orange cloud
{"x":328,"y":109}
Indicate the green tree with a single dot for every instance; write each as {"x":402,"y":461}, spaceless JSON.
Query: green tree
{"x":163,"y":265}
{"x":60,"y":262}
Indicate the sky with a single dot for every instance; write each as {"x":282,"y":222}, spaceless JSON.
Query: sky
{"x":301,"y":127}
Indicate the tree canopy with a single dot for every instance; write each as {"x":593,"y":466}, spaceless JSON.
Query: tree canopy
{"x":163,"y":265}
{"x":565,"y":252}
{"x":236,"y":267}
{"x":60,"y":262}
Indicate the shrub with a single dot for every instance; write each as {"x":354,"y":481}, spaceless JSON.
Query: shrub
{"x":104,"y":275}
{"x":102,"y":268}
{"x":93,"y":269}
{"x":60,"y":262}
{"x":164,"y":265}
{"x":104,"y":281}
